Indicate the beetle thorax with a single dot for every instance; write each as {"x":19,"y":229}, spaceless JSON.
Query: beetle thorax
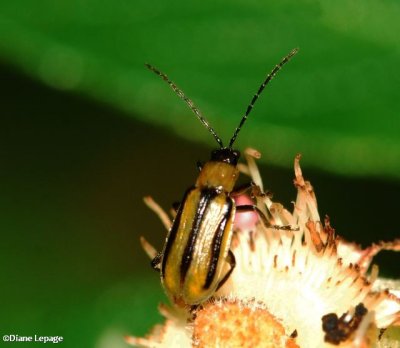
{"x":219,"y":175}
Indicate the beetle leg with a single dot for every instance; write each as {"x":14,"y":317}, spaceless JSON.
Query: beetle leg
{"x":200,"y":165}
{"x":254,"y":208}
{"x":242,"y":189}
{"x":175,"y":206}
{"x":155,"y":263}
{"x":232,"y":262}
{"x":255,"y":190}
{"x":174,"y":209}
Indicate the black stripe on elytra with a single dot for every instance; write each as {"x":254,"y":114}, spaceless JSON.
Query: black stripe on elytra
{"x":216,"y":245}
{"x":174,"y":230}
{"x":207,"y":195}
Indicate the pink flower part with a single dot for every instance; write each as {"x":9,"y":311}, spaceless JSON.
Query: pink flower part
{"x":248,"y":220}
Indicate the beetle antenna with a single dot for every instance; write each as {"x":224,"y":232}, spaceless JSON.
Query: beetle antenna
{"x":269,"y":77}
{"x":188,"y":101}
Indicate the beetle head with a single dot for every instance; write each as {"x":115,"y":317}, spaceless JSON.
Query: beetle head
{"x":226,"y":155}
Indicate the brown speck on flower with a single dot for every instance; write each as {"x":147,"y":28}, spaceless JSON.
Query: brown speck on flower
{"x":251,"y":241}
{"x":338,"y":330}
{"x":294,"y":258}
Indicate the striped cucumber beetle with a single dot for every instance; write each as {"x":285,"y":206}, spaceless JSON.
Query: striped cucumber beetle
{"x":193,"y":263}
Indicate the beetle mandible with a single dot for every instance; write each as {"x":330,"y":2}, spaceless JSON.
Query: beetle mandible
{"x":197,"y":248}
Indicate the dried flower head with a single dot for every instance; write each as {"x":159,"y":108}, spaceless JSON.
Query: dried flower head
{"x":297,"y":288}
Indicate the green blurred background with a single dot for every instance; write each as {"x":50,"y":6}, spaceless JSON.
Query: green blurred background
{"x":86,"y":131}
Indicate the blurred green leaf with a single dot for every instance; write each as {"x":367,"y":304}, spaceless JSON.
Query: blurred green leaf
{"x":337,"y":102}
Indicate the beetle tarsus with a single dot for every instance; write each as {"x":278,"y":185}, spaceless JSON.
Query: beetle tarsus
{"x":155,"y":263}
{"x":255,"y":190}
{"x":254,"y":208}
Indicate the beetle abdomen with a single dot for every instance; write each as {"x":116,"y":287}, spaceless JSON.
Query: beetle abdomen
{"x":197,"y":245}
